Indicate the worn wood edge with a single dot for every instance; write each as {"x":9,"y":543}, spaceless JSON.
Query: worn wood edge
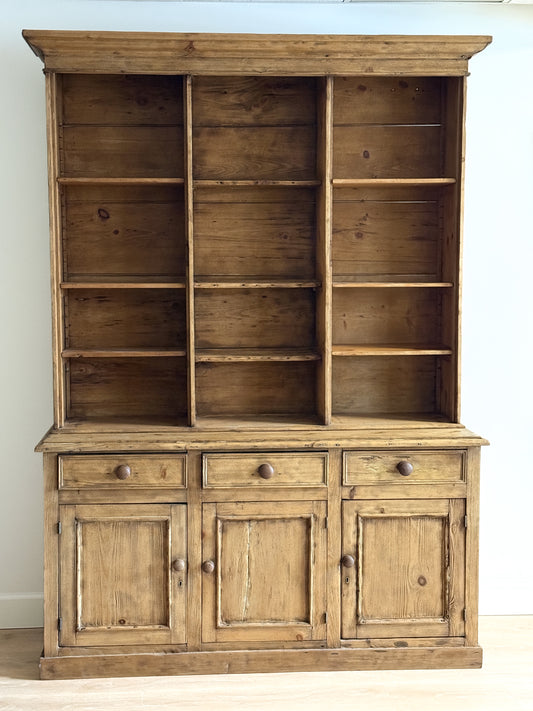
{"x":146,"y":52}
{"x":260,"y":661}
{"x":180,"y":439}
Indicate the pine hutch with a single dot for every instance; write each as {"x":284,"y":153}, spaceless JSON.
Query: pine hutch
{"x":256,"y":461}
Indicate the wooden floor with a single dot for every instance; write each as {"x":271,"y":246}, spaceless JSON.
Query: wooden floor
{"x":505,"y":683}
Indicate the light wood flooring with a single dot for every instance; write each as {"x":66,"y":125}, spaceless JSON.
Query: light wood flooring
{"x":504,"y":684}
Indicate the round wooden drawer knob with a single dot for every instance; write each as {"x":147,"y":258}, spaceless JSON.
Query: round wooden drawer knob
{"x":123,"y":471}
{"x":266,"y":471}
{"x":348,"y":561}
{"x":208,"y":566}
{"x":178,"y":565}
{"x":405,"y":468}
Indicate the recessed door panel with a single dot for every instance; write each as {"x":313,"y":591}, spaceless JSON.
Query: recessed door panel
{"x":408,"y":577}
{"x":267,"y":579}
{"x":120,"y":580}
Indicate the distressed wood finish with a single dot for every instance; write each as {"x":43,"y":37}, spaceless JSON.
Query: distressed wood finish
{"x":79,"y":471}
{"x":279,"y":469}
{"x":256,"y":462}
{"x":234,"y":54}
{"x":105,"y":551}
{"x":385,"y":467}
{"x":408,"y":580}
{"x":268,"y":576}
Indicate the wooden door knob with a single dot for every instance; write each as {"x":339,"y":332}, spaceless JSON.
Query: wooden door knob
{"x":348,"y":561}
{"x":405,"y":468}
{"x":208,"y":566}
{"x":178,"y":565}
{"x":266,"y":471}
{"x":123,"y":471}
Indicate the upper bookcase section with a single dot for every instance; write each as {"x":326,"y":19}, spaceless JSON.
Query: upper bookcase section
{"x":227,"y":54}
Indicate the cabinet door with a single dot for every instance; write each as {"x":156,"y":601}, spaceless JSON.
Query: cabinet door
{"x":123,"y":574}
{"x":408,"y":576}
{"x":264,"y":571}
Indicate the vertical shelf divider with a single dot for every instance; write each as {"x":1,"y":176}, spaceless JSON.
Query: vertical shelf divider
{"x":452,"y":227}
{"x":54,"y":121}
{"x":189,"y":233}
{"x":323,"y":248}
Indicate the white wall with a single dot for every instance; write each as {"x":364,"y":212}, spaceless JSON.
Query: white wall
{"x":497,"y":347}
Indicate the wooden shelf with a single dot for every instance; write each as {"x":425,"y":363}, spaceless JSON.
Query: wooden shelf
{"x":235,"y":355}
{"x":256,"y":183}
{"x":391,"y":182}
{"x":341,"y":283}
{"x":124,"y":353}
{"x":390,"y":350}
{"x":253,"y":283}
{"x":120,"y":181}
{"x":102,"y":284}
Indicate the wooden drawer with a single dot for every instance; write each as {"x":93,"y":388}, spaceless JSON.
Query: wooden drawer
{"x":149,"y":470}
{"x":383,"y":467}
{"x":302,"y":469}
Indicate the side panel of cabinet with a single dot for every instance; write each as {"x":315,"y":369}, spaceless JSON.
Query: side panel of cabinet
{"x":119,"y":585}
{"x":268,"y":581}
{"x":409,"y":573}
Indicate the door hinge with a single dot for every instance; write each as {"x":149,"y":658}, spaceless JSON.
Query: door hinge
{"x":466,"y":520}
{"x":464,"y":614}
{"x":59,"y":624}
{"x":325,"y":617}
{"x":326,"y":522}
{"x":59,"y":527}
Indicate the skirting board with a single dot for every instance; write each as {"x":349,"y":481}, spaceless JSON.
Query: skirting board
{"x":260,"y":661}
{"x":19,"y":610}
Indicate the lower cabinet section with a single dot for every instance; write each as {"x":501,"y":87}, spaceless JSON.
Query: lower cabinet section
{"x":264,"y":571}
{"x":123,"y":574}
{"x":403,"y":572}
{"x":157,"y":572}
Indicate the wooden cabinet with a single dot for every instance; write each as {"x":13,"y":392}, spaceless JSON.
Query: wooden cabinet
{"x":403,"y":568}
{"x":267,"y":581}
{"x":257,"y":461}
{"x":123,"y":574}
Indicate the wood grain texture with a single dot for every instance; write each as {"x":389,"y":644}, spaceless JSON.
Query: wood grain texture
{"x":384,"y":385}
{"x":255,"y":318}
{"x":381,"y":467}
{"x":237,"y":54}
{"x":147,"y":318}
{"x":269,"y":574}
{"x":255,"y":232}
{"x":381,"y":316}
{"x":153,"y":470}
{"x":377,"y":240}
{"x":55,"y":208}
{"x":124,"y":100}
{"x":51,"y":556}
{"x":387,"y":152}
{"x":124,"y":232}
{"x":118,"y":388}
{"x":262,"y":661}
{"x":105,"y":550}
{"x":290,"y":469}
{"x":409,"y":575}
{"x":388,"y":100}
{"x":264,"y":152}
{"x":253,"y":388}
{"x":254,"y":101}
{"x":122,"y":151}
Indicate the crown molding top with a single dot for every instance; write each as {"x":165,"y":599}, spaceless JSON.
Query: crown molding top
{"x":311,"y":55}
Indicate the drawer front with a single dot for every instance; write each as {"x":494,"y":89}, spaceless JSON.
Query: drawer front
{"x":265,"y":469}
{"x":387,"y":467}
{"x":150,"y":470}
